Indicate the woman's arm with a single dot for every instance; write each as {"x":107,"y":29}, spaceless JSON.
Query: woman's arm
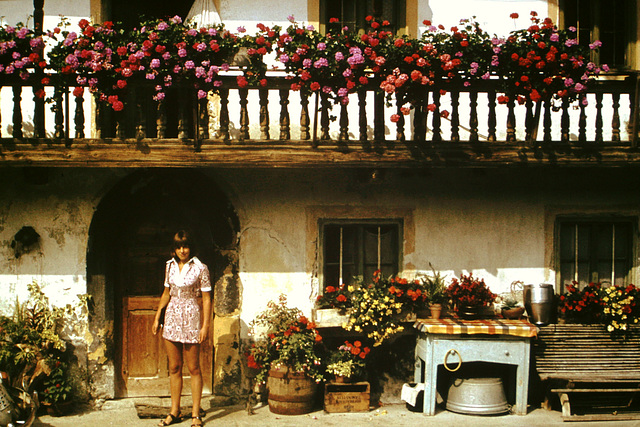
{"x":206,"y":316}
{"x":164,"y":300}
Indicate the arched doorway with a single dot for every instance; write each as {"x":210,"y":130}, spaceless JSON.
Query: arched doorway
{"x":129,"y":242}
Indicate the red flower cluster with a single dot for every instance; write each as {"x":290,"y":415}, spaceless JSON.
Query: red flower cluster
{"x":469,"y":291}
{"x":291,"y":339}
{"x":616,"y":307}
{"x":535,"y":64}
{"x":251,"y":361}
{"x":301,"y":325}
{"x":356,"y":349}
{"x":20,"y":51}
{"x":540,"y":63}
{"x":582,"y":305}
{"x":334,"y":297}
{"x":161,"y":52}
{"x":411,"y":290}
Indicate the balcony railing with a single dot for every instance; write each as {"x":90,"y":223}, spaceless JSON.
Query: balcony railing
{"x":275,"y":116}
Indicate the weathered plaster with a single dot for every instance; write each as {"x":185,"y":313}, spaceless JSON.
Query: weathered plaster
{"x":227,"y":364}
{"x":497,"y":224}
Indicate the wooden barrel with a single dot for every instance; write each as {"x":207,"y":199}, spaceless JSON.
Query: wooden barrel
{"x":290,"y":393}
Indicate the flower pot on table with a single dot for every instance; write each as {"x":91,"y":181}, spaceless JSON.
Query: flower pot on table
{"x":469,"y":312}
{"x":513,"y":313}
{"x":435,"y":311}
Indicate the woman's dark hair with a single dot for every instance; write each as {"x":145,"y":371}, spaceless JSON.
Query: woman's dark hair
{"x":183,"y":239}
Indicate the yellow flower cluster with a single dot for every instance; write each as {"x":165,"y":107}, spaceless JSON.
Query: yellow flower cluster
{"x":617,"y":308}
{"x":374,"y":311}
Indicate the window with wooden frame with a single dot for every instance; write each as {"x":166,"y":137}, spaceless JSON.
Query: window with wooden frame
{"x":358,"y":248}
{"x":353,"y":13}
{"x":595,"y":250}
{"x":613,"y":22}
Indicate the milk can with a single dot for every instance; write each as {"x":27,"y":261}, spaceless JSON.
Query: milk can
{"x":539,"y":301}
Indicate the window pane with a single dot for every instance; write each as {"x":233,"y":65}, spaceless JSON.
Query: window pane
{"x":331,"y":244}
{"x":604,"y":250}
{"x":389,"y":245}
{"x":331,"y":241}
{"x":623,"y":241}
{"x":567,"y":273}
{"x":350,"y":255}
{"x":331,"y":275}
{"x":584,"y":254}
{"x":567,"y":242}
{"x":370,"y":236}
{"x":610,"y":21}
{"x":622,"y":254}
{"x":353,"y":13}
{"x":362,"y":246}
{"x":567,"y":253}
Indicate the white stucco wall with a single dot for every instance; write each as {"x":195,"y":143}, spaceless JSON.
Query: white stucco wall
{"x":492,"y":15}
{"x":14,"y":11}
{"x":491,"y":223}
{"x":486,"y":222}
{"x":60,"y":212}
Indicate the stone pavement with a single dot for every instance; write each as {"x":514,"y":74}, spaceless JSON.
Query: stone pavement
{"x":123,"y":413}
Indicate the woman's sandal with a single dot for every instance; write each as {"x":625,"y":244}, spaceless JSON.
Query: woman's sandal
{"x":193,"y":422}
{"x":173,"y":419}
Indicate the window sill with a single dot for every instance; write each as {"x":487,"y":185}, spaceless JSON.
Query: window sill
{"x":335,"y":318}
{"x":330,"y":317}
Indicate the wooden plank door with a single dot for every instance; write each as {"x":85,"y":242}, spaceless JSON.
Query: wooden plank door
{"x":145,"y":365}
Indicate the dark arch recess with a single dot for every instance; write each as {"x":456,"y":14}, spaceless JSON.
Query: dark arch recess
{"x":164,"y":200}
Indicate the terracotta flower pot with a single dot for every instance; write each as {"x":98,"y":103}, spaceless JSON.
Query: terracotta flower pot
{"x":436,"y":311}
{"x":513,"y":313}
{"x":342,"y":379}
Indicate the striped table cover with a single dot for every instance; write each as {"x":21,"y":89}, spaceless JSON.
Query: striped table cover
{"x":454,"y":326}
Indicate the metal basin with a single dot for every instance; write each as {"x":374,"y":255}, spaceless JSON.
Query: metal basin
{"x":477,"y":396}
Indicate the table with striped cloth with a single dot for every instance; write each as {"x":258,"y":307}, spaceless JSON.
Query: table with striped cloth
{"x":455,"y":326}
{"x":450,"y":342}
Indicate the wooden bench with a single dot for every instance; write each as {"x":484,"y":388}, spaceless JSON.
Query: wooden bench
{"x":590,"y":371}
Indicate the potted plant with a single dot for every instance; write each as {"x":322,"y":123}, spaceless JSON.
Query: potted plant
{"x":33,"y":352}
{"x":469,"y":296}
{"x":348,"y":362}
{"x":331,"y":307}
{"x":286,"y":353}
{"x":581,"y":305}
{"x":511,"y":308}
{"x":56,"y":396}
{"x":616,"y":307}
{"x":436,"y":291}
{"x":377,"y":307}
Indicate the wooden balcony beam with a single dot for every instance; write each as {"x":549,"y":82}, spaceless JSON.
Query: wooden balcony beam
{"x":296,"y":154}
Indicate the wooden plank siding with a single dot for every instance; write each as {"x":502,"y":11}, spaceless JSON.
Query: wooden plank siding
{"x":479,"y":131}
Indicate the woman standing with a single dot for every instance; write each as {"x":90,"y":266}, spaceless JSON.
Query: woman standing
{"x":186,"y":325}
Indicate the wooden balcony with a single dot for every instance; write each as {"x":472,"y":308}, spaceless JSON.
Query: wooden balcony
{"x":275,"y":127}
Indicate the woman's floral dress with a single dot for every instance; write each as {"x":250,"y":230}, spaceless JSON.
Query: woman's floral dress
{"x":183,"y":317}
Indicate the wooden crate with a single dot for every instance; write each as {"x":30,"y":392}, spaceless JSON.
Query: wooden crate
{"x":347,"y":397}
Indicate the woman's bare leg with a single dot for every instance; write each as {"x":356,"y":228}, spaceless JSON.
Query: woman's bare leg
{"x":192,"y":356}
{"x":174,"y":352}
